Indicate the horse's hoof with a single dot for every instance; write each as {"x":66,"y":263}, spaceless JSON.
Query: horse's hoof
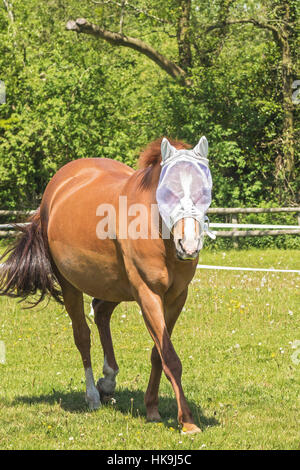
{"x":189,"y":428}
{"x":106,"y":394}
{"x":105,"y":399}
{"x":153,"y":417}
{"x":92,"y":398}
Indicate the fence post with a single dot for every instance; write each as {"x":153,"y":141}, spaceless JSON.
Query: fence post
{"x":234,"y":220}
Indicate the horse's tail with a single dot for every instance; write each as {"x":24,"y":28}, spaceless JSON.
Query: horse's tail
{"x":27,"y":268}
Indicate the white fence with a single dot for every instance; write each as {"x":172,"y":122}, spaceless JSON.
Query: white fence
{"x":237,"y":229}
{"x":247,"y":230}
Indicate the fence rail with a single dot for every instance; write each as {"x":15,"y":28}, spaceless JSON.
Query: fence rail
{"x":250,"y":210}
{"x":264,"y":229}
{"x":3,"y":212}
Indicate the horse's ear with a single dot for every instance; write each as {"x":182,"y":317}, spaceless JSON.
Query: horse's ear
{"x":166,"y":149}
{"x":201,"y":148}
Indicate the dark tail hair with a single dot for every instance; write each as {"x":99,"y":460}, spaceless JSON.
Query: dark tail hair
{"x":28,"y":269}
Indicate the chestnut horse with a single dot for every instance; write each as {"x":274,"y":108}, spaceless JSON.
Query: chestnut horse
{"x":59,"y":253}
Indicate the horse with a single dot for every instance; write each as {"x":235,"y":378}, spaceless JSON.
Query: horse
{"x":60,"y":253}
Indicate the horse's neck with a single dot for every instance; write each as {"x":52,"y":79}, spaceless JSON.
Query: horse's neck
{"x":143,"y":191}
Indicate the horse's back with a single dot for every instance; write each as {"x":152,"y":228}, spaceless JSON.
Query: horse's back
{"x":87,"y":170}
{"x":93,"y":180}
{"x":69,"y":213}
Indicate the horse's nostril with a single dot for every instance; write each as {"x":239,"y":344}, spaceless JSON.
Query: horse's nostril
{"x":187,"y":248}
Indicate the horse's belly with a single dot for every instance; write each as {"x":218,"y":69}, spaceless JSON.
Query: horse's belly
{"x":100,"y":276}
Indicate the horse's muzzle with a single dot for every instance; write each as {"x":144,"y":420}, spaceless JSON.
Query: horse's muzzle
{"x":188,"y":249}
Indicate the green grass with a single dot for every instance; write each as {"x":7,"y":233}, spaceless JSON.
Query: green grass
{"x":234,"y":338}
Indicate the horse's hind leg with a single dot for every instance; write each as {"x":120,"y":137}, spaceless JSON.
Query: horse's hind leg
{"x":172,"y":312}
{"x":103,"y":311}
{"x":73,"y":300}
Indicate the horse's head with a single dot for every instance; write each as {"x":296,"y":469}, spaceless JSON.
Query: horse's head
{"x":184,"y":195}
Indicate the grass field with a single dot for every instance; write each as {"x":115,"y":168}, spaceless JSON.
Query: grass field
{"x":241,"y":369}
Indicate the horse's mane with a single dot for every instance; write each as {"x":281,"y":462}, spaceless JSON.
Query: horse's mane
{"x":150,"y":158}
{"x":151,"y":155}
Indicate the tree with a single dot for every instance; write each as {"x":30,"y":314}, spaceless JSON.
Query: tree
{"x":68,"y":96}
{"x":281,"y":20}
{"x":276,"y":17}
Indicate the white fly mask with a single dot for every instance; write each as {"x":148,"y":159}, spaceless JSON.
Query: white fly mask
{"x":185,"y":184}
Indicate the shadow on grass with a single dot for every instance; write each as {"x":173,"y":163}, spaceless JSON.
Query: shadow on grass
{"x":128,"y":402}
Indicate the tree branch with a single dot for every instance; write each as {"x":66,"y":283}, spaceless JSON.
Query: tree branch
{"x":81,"y":25}
{"x":134,"y":8}
{"x":9,"y":9}
{"x":276,"y":32}
{"x":122,"y":16}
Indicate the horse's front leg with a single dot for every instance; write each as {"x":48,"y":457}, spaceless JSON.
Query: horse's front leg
{"x":153,"y":313}
{"x":172,"y":312}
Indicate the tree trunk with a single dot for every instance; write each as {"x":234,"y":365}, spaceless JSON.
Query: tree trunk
{"x":288,"y":118}
{"x":183,"y":34}
{"x":288,"y":143}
